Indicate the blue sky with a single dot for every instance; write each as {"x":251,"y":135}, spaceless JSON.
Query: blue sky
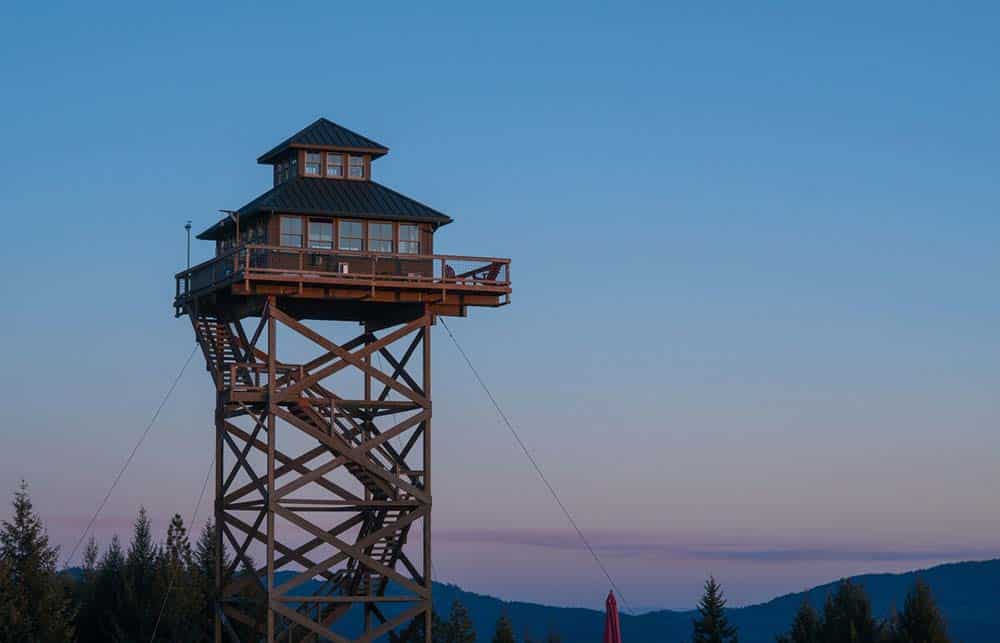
{"x":754,"y":257}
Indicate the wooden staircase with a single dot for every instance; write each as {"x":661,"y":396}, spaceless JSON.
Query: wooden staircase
{"x":355,"y":579}
{"x":220,"y":347}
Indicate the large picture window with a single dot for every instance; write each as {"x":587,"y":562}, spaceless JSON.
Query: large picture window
{"x":380,"y":237}
{"x":409,"y":239}
{"x":351,"y":236}
{"x":291,"y":231}
{"x":321,"y":235}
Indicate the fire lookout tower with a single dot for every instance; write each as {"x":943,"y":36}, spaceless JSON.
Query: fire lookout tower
{"x":323,"y":440}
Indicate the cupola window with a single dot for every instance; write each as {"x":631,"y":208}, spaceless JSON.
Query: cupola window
{"x":357,"y":167}
{"x":334,"y":164}
{"x":409,"y":239}
{"x":313,"y":160}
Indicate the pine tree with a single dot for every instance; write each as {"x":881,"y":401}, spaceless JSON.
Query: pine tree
{"x":806,"y":628}
{"x":712,"y":626}
{"x":414,"y":632}
{"x":847,"y":616}
{"x":459,"y":628}
{"x":104,"y":615}
{"x":177,"y":617}
{"x":141,"y":600}
{"x":87,"y":620}
{"x":921,"y":620}
{"x":35,"y":604}
{"x":504,"y":632}
{"x":204,"y":574}
{"x":90,"y":554}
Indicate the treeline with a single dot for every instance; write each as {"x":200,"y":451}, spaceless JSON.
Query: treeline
{"x":459,"y":629}
{"x":846,"y":618}
{"x":165,"y":592}
{"x":144,"y":591}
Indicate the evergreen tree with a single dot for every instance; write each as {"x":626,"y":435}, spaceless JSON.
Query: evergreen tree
{"x":141,"y":596}
{"x":459,"y":628}
{"x":806,"y":628}
{"x":90,"y":554}
{"x":177,"y":617}
{"x":35,"y":606}
{"x":86,"y":593}
{"x":414,"y":632}
{"x":102,"y":618}
{"x":847,"y":616}
{"x":712,"y":626}
{"x":504,"y":632}
{"x":11,"y":620}
{"x":921,"y":620}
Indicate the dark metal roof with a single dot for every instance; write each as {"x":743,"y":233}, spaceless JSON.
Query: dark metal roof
{"x":326,"y":134}
{"x":335,"y":197}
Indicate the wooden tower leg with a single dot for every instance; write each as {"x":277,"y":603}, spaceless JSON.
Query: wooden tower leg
{"x":322,"y":479}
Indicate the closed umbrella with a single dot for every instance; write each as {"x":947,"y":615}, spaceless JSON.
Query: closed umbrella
{"x":612,"y":630}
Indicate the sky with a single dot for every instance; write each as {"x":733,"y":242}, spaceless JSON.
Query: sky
{"x":753,"y":329}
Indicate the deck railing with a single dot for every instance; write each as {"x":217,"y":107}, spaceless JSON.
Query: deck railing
{"x":303,"y":264}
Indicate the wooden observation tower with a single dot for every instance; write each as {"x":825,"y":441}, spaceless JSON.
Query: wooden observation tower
{"x":315,"y":320}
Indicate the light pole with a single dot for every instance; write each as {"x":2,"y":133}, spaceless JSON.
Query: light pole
{"x":187,"y":226}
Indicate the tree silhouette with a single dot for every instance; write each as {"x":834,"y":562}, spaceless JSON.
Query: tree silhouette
{"x":504,"y":632}
{"x":180,"y":607}
{"x":459,"y":628}
{"x":712,"y":626}
{"x":34,"y":605}
{"x":847,"y":616}
{"x":921,"y":620}
{"x":806,"y":628}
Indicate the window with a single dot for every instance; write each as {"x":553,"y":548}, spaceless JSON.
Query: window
{"x":253,"y":232}
{"x":357,"y":167}
{"x":351,"y":236}
{"x":281,"y":171}
{"x":380,"y":237}
{"x":334,"y":164}
{"x":409,"y":239}
{"x":291,"y":232}
{"x":312,"y":163}
{"x":321,"y":235}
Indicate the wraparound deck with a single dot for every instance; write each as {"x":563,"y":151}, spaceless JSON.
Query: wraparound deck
{"x":449,"y":282}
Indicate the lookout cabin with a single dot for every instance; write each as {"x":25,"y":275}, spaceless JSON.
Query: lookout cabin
{"x":335,"y":244}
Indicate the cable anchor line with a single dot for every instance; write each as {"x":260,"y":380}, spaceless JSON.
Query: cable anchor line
{"x":537,"y":467}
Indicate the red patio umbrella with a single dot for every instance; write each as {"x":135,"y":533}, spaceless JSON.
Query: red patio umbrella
{"x":612,"y":630}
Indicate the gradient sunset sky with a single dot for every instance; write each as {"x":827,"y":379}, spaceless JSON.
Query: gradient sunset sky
{"x":755,"y":250}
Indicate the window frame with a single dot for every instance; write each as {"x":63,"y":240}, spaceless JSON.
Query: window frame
{"x":372,"y":240}
{"x":413,"y":243}
{"x":361,"y":166}
{"x":309,"y":237}
{"x":318,"y":163}
{"x":326,"y":165}
{"x":281,"y":233}
{"x":341,"y":236}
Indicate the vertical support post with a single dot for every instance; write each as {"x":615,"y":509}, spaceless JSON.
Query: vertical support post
{"x":365,"y":432}
{"x":428,"y":570}
{"x":217,"y":536}
{"x":272,"y":342}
